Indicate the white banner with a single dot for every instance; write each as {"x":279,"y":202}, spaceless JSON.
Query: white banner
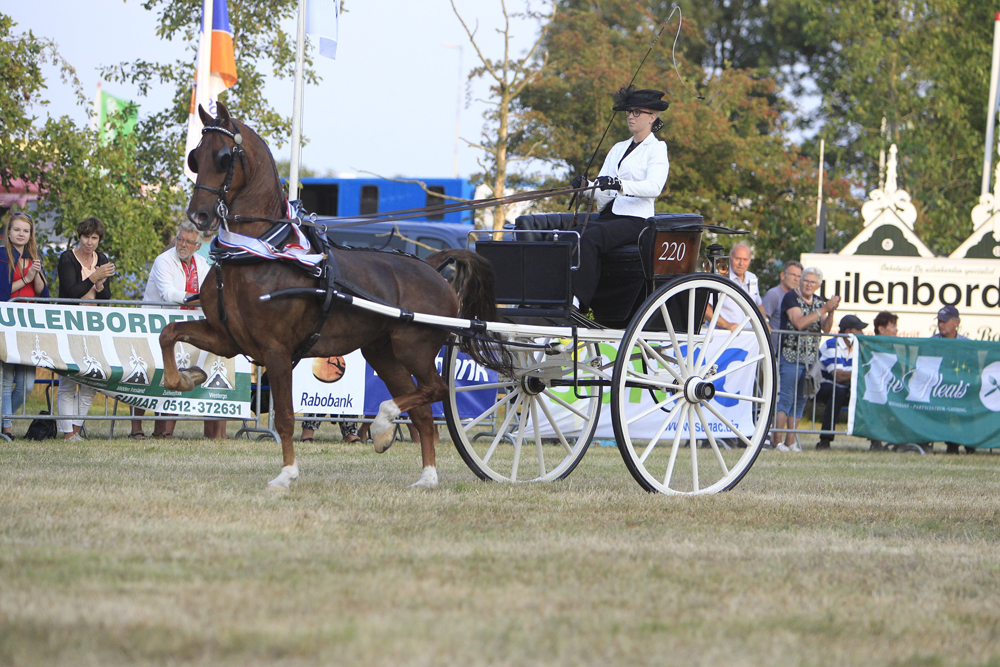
{"x":639,"y":400}
{"x":117,"y":351}
{"x":330,"y":385}
{"x":915,"y":289}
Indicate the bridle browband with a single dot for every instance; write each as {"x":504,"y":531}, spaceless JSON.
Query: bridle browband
{"x":222,"y":207}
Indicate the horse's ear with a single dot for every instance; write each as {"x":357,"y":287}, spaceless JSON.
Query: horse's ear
{"x":223,"y":112}
{"x":192,"y":163}
{"x":206,"y":118}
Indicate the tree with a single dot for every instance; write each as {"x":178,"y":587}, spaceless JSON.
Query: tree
{"x":504,"y":138}
{"x":78,"y":177}
{"x":923,"y":67}
{"x":730,"y":158}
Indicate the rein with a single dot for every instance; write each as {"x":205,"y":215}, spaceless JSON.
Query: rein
{"x":221,"y":206}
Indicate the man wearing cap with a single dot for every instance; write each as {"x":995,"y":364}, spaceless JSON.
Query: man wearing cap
{"x":948,"y":322}
{"x":631,"y":179}
{"x":835,"y":390}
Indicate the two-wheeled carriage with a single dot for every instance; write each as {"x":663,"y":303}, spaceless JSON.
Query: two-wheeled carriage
{"x":690,"y":404}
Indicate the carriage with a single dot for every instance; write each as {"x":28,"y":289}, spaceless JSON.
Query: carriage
{"x":651,"y":350}
{"x":690,"y":403}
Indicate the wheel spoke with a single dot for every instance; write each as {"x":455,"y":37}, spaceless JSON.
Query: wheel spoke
{"x":555,"y":427}
{"x":560,"y":401}
{"x":522,"y":422}
{"x":725,"y":346}
{"x":502,"y":431}
{"x":685,"y":371}
{"x":645,"y":348}
{"x":691,"y":329}
{"x":538,"y":436}
{"x":741,"y":397}
{"x":728,"y":424}
{"x":675,"y":446}
{"x":651,"y":445}
{"x":490,"y":385}
{"x":694,"y":452}
{"x":738,"y":367}
{"x":496,"y":406}
{"x":645,"y":413}
{"x":711,"y":440}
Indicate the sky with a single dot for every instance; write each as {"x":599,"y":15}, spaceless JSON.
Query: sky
{"x":387,"y":104}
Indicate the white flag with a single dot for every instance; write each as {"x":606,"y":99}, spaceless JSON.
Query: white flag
{"x":322,"y":22}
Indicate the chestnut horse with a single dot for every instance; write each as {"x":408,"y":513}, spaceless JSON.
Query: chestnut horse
{"x":238,"y":185}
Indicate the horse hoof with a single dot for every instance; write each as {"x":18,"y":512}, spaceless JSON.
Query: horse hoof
{"x":195,"y":375}
{"x":428,"y":479}
{"x":382,"y":441}
{"x":283,"y":482}
{"x":277,"y":488}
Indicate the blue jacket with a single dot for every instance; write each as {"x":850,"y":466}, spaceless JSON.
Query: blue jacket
{"x":5,"y":274}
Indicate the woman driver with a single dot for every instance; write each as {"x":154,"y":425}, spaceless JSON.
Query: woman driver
{"x":631,"y":179}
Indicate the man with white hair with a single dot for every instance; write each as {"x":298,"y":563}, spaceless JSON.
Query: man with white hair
{"x":177,"y":273}
{"x":730,"y":314}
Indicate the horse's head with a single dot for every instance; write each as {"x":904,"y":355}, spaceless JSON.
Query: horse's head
{"x":221,"y":160}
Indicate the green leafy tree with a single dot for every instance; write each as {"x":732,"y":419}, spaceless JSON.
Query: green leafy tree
{"x":730,"y":158}
{"x":923,"y":67}
{"x":77,"y":177}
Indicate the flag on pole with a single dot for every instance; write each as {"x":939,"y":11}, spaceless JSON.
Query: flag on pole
{"x":215,"y":70}
{"x":322,"y":22}
{"x":108,"y":105}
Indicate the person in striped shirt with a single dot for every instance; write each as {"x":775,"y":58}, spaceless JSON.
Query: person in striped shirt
{"x":835,"y":359}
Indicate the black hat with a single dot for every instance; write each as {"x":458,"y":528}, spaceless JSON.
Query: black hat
{"x":947,"y":313}
{"x":630,"y":98}
{"x":852,"y":322}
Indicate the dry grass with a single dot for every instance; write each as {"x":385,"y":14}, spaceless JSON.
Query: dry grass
{"x":173,"y":554}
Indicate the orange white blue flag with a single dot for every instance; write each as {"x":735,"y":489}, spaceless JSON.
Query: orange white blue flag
{"x":215,"y":70}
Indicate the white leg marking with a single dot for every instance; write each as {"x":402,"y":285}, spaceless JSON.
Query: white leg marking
{"x":283,"y":482}
{"x":382,"y":426}
{"x":428,"y":479}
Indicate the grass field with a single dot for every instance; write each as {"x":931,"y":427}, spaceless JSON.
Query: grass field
{"x":172,"y":553}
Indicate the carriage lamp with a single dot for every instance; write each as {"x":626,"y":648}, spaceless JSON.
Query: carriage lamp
{"x":718,"y":259}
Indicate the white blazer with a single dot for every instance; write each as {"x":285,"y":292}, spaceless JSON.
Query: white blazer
{"x":166,"y":278}
{"x":643,"y":174}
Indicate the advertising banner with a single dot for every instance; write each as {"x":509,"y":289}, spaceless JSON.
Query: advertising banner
{"x":926,"y":390}
{"x":915,"y":289}
{"x":117,"y":351}
{"x":639,"y":400}
{"x":348,"y":386}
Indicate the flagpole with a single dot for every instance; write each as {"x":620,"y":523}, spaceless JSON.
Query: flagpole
{"x":992,"y":113}
{"x":204,"y":57}
{"x":293,"y":174}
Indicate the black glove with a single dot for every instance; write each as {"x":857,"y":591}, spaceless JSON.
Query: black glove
{"x":608,"y":183}
{"x":578,"y":182}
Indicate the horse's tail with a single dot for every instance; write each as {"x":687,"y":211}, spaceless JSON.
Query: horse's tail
{"x":473,"y":280}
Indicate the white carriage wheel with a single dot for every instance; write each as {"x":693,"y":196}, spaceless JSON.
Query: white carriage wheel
{"x":662,"y":359}
{"x":540,"y":425}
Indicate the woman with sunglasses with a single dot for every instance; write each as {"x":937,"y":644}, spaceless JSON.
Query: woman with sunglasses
{"x":631,"y":179}
{"x":21,"y":275}
{"x":84,"y":273}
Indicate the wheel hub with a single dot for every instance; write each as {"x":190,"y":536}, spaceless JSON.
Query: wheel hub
{"x":532,"y":385}
{"x":698,"y":390}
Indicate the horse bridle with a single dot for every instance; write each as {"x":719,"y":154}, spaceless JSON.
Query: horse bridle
{"x":236,"y":152}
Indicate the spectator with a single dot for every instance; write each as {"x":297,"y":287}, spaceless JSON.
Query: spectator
{"x":176,"y":274}
{"x":948,"y":322}
{"x":791,"y":274}
{"x":835,"y":390}
{"x":348,"y":430}
{"x":801,"y":310}
{"x":885,"y":324}
{"x":21,"y":274}
{"x":84,"y":273}
{"x":730,"y":314}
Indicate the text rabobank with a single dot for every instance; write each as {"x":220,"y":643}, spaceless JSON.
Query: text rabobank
{"x":317,"y":400}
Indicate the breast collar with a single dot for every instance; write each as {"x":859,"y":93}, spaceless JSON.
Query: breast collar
{"x":284,"y":242}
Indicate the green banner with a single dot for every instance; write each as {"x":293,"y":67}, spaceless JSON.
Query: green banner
{"x":926,"y":390}
{"x":108,"y":105}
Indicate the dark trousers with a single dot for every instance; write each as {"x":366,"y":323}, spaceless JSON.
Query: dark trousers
{"x":600,"y":237}
{"x":835,"y":401}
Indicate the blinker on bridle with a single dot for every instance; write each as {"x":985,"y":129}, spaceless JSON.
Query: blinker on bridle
{"x":221,"y":207}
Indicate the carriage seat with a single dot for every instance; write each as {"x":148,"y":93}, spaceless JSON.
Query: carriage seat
{"x":547,"y":222}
